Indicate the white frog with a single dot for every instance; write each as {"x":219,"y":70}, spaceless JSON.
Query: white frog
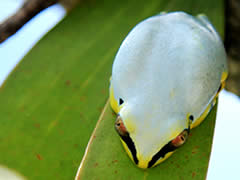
{"x":166,"y":77}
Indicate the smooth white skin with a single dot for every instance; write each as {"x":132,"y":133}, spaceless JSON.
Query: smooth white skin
{"x":168,"y":66}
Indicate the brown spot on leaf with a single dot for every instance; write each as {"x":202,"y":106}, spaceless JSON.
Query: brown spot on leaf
{"x":75,"y":145}
{"x":61,"y":131}
{"x":100,"y":109}
{"x":193,"y":174}
{"x":114,"y":161}
{"x":103,"y":91}
{"x":68,"y":83}
{"x":96,"y":164}
{"x":82,"y":98}
{"x":37,"y":125}
{"x":81,"y":115}
{"x":39,"y":157}
{"x":196,"y":147}
{"x":115,"y":172}
{"x":181,"y":178}
{"x":204,"y":155}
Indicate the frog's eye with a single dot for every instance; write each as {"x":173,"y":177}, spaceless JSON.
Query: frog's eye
{"x":121,"y":101}
{"x":180,"y":139}
{"x":120,"y":127}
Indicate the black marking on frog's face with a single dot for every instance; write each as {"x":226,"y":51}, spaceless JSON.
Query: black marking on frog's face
{"x":170,"y":147}
{"x":123,"y":133}
{"x":127,"y":139}
{"x":160,"y":154}
{"x":120,"y":101}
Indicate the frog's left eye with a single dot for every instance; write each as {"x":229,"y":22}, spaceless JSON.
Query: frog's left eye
{"x":180,"y":139}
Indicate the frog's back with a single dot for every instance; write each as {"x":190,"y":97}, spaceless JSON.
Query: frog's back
{"x":173,"y":62}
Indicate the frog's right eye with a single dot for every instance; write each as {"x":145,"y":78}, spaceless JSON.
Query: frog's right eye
{"x":180,"y":139}
{"x":121,"y":101}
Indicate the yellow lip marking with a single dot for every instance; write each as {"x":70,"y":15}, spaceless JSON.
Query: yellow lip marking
{"x":163,"y":159}
{"x":224,"y":76}
{"x":129,"y":125}
{"x":127,"y":150}
{"x":143,"y":164}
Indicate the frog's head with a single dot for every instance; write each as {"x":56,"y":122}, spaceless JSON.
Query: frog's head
{"x":165,"y":75}
{"x":149,"y":142}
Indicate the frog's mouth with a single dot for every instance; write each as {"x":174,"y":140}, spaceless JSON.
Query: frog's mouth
{"x":161,"y":154}
{"x":169,"y":148}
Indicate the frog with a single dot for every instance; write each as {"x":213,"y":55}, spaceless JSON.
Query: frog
{"x":166,"y":77}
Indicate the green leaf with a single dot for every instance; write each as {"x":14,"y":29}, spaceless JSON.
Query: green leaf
{"x":51,"y":102}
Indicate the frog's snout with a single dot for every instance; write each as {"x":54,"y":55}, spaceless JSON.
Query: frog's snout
{"x":142,"y":160}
